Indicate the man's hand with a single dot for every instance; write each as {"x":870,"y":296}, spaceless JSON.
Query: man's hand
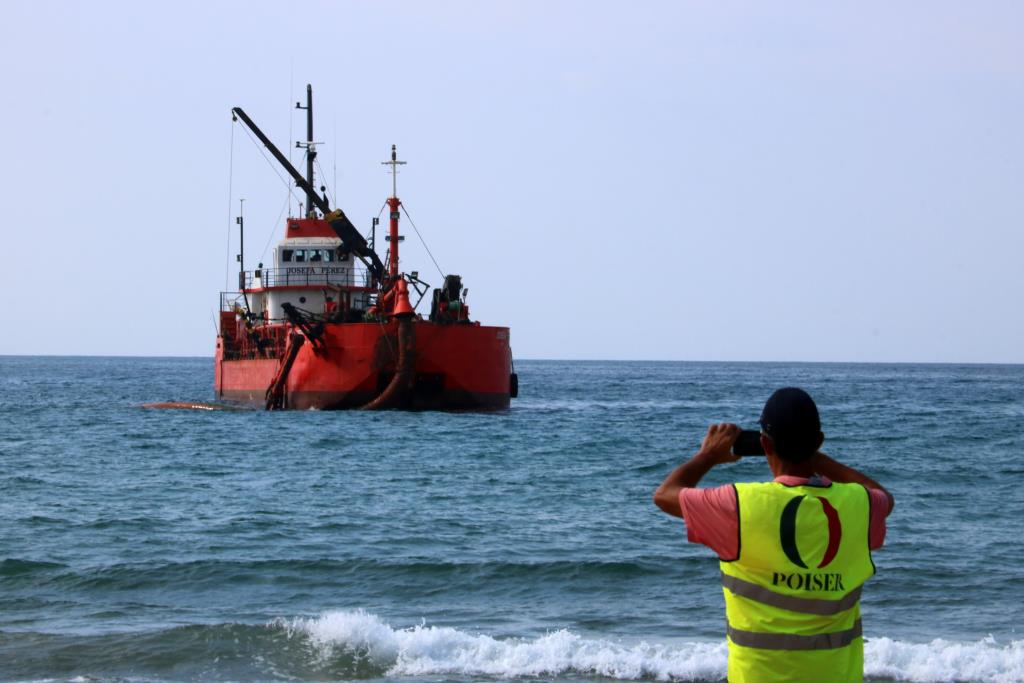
{"x":714,"y":450}
{"x":718,"y":443}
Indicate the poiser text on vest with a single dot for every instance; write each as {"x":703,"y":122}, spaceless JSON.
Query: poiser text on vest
{"x":792,"y":596}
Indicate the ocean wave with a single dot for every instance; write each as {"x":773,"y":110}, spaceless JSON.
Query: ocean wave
{"x":361,"y":645}
{"x":436,"y":650}
{"x":431,"y":651}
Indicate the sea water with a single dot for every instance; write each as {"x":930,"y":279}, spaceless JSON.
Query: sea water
{"x":176,"y":545}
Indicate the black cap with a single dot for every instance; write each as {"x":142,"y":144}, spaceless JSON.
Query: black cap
{"x":790,"y":414}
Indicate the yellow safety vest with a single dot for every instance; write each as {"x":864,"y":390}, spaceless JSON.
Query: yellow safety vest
{"x":792,"y":596}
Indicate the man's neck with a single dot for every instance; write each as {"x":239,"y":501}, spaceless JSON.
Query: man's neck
{"x":785,"y":468}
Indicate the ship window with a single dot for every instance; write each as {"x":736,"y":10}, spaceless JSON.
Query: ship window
{"x":300,"y":255}
{"x":286,"y":255}
{"x":316,"y":255}
{"x":328,"y":254}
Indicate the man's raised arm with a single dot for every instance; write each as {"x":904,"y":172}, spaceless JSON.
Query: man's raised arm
{"x":715,"y":449}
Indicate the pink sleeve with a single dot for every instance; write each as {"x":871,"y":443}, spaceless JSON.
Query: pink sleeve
{"x":879,"y":511}
{"x":711,"y":519}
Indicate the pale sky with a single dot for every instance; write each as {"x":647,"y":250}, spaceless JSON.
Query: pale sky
{"x":797,"y":181}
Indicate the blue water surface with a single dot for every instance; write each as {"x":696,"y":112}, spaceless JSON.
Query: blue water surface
{"x":176,"y":545}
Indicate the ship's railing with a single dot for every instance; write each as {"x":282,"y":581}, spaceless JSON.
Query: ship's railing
{"x":313,"y":275}
{"x":259,"y":339}
{"x":232,"y":301}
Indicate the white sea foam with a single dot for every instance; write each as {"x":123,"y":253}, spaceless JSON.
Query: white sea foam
{"x":434,"y":650}
{"x":943,"y":661}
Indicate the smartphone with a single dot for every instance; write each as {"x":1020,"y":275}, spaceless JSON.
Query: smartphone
{"x":748,"y":443}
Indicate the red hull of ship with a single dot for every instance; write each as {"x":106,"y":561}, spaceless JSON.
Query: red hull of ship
{"x":458,"y":367}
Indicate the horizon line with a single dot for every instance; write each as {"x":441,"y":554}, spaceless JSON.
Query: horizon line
{"x":574,"y":360}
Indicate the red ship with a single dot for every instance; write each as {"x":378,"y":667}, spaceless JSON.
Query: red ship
{"x":331,"y":326}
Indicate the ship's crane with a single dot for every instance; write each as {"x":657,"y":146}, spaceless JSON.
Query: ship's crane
{"x":339,"y":222}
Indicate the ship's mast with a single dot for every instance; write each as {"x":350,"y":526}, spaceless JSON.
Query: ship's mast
{"x":310,"y":148}
{"x":393,"y":204}
{"x":241,"y":245}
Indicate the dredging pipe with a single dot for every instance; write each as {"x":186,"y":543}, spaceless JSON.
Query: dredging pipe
{"x":397,"y":392}
{"x":275,"y":392}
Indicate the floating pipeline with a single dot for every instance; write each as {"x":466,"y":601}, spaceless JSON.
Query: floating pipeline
{"x":187,"y":405}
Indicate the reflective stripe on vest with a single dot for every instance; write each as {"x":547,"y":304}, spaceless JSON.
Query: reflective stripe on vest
{"x":790,"y":602}
{"x":792,"y":641}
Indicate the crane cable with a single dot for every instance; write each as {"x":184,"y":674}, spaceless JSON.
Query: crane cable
{"x":331,"y":199}
{"x":423,"y":241}
{"x":273,"y":228}
{"x":259,"y":146}
{"x":291,"y":193}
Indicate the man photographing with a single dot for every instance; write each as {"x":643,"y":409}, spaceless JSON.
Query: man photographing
{"x":793,"y":552}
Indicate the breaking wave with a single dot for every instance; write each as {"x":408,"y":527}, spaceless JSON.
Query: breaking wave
{"x":431,"y":651}
{"x":360,"y":645}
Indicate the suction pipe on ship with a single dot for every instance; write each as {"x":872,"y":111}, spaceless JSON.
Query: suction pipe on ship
{"x":275,"y":396}
{"x":398,"y":390}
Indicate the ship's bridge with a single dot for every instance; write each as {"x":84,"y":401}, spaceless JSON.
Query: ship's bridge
{"x":311,"y":270}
